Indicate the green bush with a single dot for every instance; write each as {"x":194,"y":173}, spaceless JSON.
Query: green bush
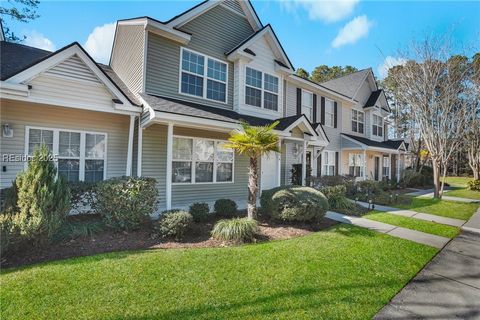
{"x":9,"y":198}
{"x":473,"y":185}
{"x":9,"y":235}
{"x":43,"y":200}
{"x":412,"y":179}
{"x":225,"y":207}
{"x":200,"y":211}
{"x":174,"y":224}
{"x":336,"y":196}
{"x":235,"y":230}
{"x":124,"y":203}
{"x":79,"y":229}
{"x":83,"y":196}
{"x":294,"y":203}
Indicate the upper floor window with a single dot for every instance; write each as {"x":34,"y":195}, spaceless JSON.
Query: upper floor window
{"x":357,"y":121}
{"x":203,"y":76}
{"x":329,"y":113}
{"x":81,"y":155}
{"x":307,"y":104}
{"x":328,"y":165}
{"x":261,"y":89}
{"x":377,"y":126}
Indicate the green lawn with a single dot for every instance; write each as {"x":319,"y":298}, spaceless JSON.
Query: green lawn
{"x":459,"y":188}
{"x":344,"y":273}
{"x":450,"y":209}
{"x":414,"y":224}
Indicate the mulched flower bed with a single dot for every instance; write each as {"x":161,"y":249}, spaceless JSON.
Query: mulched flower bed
{"x":108,"y":241}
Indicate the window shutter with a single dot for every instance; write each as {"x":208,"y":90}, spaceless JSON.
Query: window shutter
{"x":335,"y":114}
{"x":314,"y":108}
{"x":322,"y":111}
{"x":299,"y":101}
{"x":336,"y":162}
{"x":319,"y":165}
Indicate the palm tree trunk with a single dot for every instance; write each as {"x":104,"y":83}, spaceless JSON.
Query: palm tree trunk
{"x":252,"y":188}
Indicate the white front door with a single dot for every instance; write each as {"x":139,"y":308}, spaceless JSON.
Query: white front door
{"x":269,"y":170}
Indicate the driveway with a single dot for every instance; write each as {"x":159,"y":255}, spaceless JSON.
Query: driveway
{"x":447,"y":288}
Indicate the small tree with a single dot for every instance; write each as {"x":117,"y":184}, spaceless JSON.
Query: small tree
{"x":254,"y":142}
{"x":17,"y":10}
{"x":43,"y":199}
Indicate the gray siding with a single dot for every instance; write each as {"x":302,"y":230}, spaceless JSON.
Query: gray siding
{"x":154,"y":165}
{"x":234,"y":5}
{"x":214,"y":33}
{"x":127,"y":56}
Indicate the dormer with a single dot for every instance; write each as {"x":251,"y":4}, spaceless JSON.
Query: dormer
{"x":260,"y":66}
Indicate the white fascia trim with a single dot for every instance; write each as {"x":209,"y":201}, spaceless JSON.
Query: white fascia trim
{"x":298,"y":80}
{"x":59,"y":57}
{"x":13,"y":89}
{"x":303,"y":120}
{"x":158,"y":28}
{"x":166,"y":117}
{"x":251,"y":16}
{"x":368,"y":148}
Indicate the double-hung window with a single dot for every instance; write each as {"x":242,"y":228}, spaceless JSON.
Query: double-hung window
{"x":81,"y":155}
{"x":386,"y":166}
{"x":203,"y":76}
{"x":261,"y":89}
{"x":197,"y":160}
{"x":355,"y":164}
{"x":307,"y":104}
{"x":357,"y":121}
{"x":328,"y":163}
{"x":377,"y":126}
{"x":329,"y":113}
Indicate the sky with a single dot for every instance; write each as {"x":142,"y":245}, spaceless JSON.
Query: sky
{"x":347,"y":32}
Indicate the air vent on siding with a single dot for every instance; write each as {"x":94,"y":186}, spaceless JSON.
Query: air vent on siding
{"x":234,"y":5}
{"x":74,"y":68}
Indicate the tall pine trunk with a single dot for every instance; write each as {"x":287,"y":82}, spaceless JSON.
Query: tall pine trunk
{"x":436,"y":179}
{"x":252,"y":188}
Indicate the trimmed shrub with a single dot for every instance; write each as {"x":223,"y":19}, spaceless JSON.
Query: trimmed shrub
{"x":294,"y":203}
{"x":9,"y":235}
{"x":83,"y":196}
{"x":236,"y":230}
{"x":411,"y":178}
{"x":124,"y":203}
{"x":174,"y":224}
{"x":43,"y":200}
{"x":225,"y":207}
{"x":473,"y":185}
{"x":9,"y":198}
{"x":336,"y":196}
{"x":200,"y":211}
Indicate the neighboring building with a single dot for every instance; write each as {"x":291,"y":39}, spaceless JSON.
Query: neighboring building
{"x":171,"y":94}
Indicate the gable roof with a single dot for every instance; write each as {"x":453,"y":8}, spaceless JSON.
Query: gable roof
{"x":276,"y":45}
{"x":347,"y":85}
{"x":202,"y":7}
{"x":22,"y":62}
{"x":372,"y":100}
{"x":389,"y":144}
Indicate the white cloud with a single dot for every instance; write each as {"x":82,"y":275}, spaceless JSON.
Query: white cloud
{"x":353,"y":31}
{"x":388,"y":63}
{"x":323,"y":10}
{"x":38,"y":40}
{"x":99,"y":42}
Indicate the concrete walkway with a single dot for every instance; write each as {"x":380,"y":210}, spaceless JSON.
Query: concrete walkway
{"x":417,"y":215}
{"x":428,"y":193}
{"x":448,"y":287}
{"x":399,"y":232}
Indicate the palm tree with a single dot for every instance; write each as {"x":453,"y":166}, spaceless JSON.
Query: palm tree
{"x":253,"y":141}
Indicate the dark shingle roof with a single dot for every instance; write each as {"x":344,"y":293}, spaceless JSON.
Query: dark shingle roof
{"x":389,"y":144}
{"x":15,"y":57}
{"x":373,"y":98}
{"x":171,"y":105}
{"x":347,"y":85}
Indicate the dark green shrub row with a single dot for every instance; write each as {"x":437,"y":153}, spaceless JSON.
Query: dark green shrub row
{"x":412,"y":179}
{"x":222,"y":208}
{"x":294,"y":203}
{"x":336,"y":196}
{"x":173,"y":224}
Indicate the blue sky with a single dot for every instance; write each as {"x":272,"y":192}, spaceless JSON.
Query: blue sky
{"x":359,"y":33}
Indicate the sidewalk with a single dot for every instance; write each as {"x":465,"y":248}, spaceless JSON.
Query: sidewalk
{"x":428,"y":193}
{"x":448,"y":287}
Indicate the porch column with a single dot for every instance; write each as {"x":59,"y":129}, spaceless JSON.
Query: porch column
{"x":168,"y":189}
{"x":304,"y":163}
{"x":139,"y":148}
{"x":364,"y":164}
{"x":398,"y":166}
{"x":389,"y":166}
{"x":279,"y":163}
{"x":130,"y":146}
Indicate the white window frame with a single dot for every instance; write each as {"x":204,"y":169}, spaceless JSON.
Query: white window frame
{"x":385,"y":160}
{"x":329,"y":114}
{"x":193,"y":162}
{"x":204,"y":76}
{"x":330,"y":157}
{"x":262,"y":90}
{"x":310,"y":115}
{"x":356,"y":157}
{"x":378,"y":126}
{"x":357,"y":121}
{"x":56,"y":144}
